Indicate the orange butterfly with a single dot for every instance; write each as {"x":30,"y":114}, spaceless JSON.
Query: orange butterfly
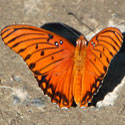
{"x":65,"y":72}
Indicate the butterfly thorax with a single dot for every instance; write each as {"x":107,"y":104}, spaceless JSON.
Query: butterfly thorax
{"x":80,"y":52}
{"x":78,"y":69}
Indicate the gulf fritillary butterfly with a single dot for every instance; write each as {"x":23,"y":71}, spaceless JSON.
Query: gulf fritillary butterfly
{"x":67,"y":68}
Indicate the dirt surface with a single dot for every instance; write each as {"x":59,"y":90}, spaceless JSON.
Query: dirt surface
{"x":21,"y":100}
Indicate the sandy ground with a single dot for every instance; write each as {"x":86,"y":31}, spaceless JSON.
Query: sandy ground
{"x":21,"y":100}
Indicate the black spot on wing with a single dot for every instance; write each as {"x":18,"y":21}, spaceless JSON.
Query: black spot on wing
{"x":21,"y":50}
{"x":36,"y":45}
{"x":27,"y":57}
{"x":107,"y":59}
{"x":114,"y":48}
{"x":42,"y":53}
{"x":50,"y":37}
{"x":52,"y":57}
{"x":32,"y":65}
{"x":111,"y":53}
{"x":15,"y":45}
{"x":105,"y":68}
{"x":102,"y":76}
{"x":36,"y":72}
{"x":100,"y":55}
{"x":103,"y":49}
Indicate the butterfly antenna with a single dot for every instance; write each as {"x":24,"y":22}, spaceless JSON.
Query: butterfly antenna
{"x":70,"y":13}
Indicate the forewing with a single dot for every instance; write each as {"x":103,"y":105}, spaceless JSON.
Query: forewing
{"x":48,"y":55}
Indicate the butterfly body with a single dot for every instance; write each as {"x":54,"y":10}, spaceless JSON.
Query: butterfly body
{"x":79,"y":68}
{"x":66,"y":70}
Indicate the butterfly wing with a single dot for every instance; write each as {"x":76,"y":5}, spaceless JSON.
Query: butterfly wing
{"x":48,"y":55}
{"x":100,"y":51}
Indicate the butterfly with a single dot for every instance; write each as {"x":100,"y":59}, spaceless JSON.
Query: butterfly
{"x":68,"y":68}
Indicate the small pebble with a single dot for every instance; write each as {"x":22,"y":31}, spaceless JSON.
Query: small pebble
{"x":16,"y":99}
{"x":114,"y":15}
{"x":37,"y":102}
{"x":16,"y":78}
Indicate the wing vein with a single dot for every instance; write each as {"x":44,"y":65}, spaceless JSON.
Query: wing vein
{"x":48,"y":55}
{"x":26,"y":34}
{"x":95,"y":66}
{"x":109,"y":44}
{"x":28,"y":40}
{"x":50,"y":64}
{"x":105,"y":36}
{"x":97,"y":58}
{"x":21,"y":28}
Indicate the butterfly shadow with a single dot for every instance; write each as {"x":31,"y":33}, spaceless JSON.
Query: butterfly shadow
{"x":114,"y":76}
